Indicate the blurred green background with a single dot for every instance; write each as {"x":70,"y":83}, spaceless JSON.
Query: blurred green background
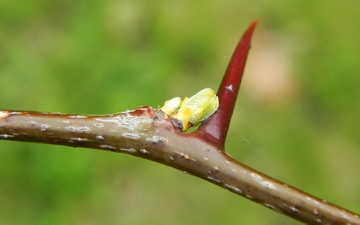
{"x":297,"y":117}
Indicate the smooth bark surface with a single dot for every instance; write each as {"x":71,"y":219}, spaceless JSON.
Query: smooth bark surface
{"x":147,"y":133}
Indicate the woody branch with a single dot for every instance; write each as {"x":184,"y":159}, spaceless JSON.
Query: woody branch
{"x":149,"y":133}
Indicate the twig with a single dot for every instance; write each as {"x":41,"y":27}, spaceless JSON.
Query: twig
{"x":148,"y":133}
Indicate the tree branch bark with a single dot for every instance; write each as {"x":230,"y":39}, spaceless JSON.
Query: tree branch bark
{"x":148,"y":133}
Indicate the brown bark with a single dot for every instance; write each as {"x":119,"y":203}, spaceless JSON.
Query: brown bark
{"x":148,"y":133}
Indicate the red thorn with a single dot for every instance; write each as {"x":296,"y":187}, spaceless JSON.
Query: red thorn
{"x":216,"y":127}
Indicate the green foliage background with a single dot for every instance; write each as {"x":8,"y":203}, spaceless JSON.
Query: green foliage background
{"x":95,"y":57}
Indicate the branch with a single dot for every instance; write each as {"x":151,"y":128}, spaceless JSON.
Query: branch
{"x":149,"y":133}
